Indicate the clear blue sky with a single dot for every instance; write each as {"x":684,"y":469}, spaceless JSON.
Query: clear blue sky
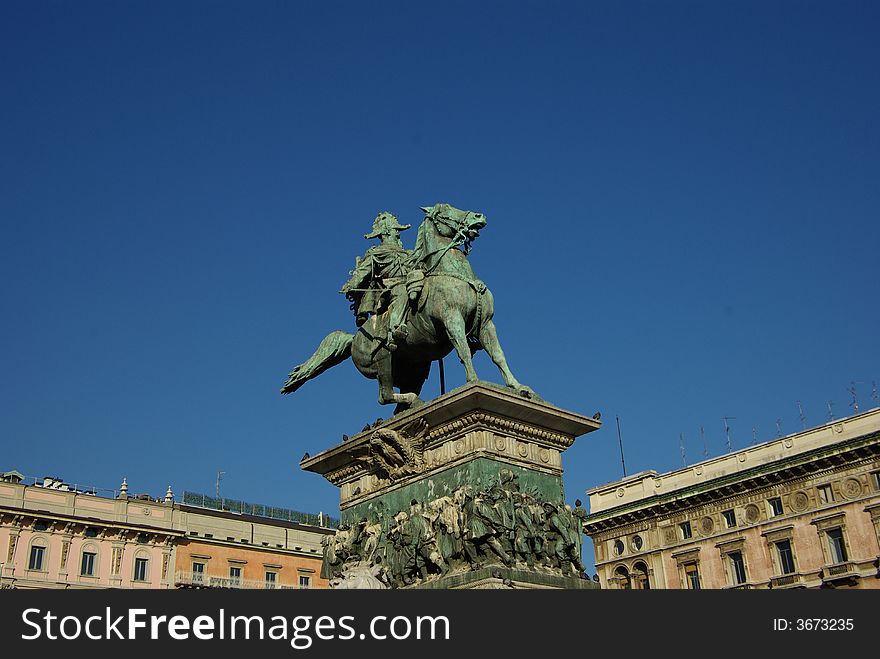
{"x":682,"y":201}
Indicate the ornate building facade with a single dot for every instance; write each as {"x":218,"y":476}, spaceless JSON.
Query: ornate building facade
{"x":802,"y":511}
{"x":54,"y":535}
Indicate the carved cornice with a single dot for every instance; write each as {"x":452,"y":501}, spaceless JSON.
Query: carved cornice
{"x":339,"y":476}
{"x":68,"y":525}
{"x":472,"y":435}
{"x":687,"y":556}
{"x":483,"y":420}
{"x":473,"y":409}
{"x":779,"y":533}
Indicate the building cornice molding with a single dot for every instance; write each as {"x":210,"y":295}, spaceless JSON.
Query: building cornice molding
{"x":115,"y":527}
{"x":802,"y":466}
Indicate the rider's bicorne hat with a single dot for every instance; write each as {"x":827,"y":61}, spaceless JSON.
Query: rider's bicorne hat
{"x":385,"y":222}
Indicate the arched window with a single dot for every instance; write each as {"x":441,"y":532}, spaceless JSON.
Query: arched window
{"x":640,"y":576}
{"x":141,"y":567}
{"x":88,"y":564}
{"x":38,"y":554}
{"x":621,"y":578}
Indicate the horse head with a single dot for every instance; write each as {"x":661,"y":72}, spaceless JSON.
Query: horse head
{"x":452,"y":223}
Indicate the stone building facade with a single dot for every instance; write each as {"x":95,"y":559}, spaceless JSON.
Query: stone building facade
{"x":801,"y":511}
{"x":230,"y":550}
{"x":53,"y":535}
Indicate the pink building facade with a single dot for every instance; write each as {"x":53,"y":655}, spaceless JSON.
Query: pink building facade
{"x":55,"y":537}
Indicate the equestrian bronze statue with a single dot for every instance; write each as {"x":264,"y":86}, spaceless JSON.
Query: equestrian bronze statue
{"x":413,"y":307}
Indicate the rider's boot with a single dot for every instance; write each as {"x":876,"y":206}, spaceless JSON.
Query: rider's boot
{"x":396,"y":337}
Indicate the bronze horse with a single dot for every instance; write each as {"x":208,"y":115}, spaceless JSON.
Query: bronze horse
{"x":453,"y":310}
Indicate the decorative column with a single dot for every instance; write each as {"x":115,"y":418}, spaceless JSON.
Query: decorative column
{"x":167,"y":560}
{"x":14,"y":532}
{"x":117,"y":549}
{"x":66,"y":538}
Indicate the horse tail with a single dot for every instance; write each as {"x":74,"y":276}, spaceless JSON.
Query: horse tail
{"x":334,"y":349}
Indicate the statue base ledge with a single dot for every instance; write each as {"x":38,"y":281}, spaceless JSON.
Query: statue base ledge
{"x":500,"y":577}
{"x":479,"y":419}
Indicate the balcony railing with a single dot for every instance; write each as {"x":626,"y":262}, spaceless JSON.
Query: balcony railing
{"x":786,"y":580}
{"x":840,"y":568}
{"x":202,"y":580}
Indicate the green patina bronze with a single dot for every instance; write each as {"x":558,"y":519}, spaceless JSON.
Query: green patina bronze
{"x":464,"y":492}
{"x":461,"y":520}
{"x":479,"y":473}
{"x":413,"y":307}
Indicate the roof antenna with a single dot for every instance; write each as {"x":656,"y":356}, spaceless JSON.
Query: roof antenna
{"x":855,"y":401}
{"x":727,"y":432}
{"x":703,"y":439}
{"x":681,"y":448}
{"x":830,"y":410}
{"x":801,"y":414}
{"x":874,"y":395}
{"x":779,"y":427}
{"x":620,"y":441}
{"x":219,"y":478}
{"x":754,"y":435}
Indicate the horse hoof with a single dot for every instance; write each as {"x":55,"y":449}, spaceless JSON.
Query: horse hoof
{"x":406,"y":407}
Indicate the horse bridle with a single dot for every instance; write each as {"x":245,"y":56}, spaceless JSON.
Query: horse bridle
{"x":458,"y":239}
{"x":459,"y":228}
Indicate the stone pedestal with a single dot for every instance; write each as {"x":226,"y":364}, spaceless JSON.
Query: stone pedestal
{"x":480,"y":462}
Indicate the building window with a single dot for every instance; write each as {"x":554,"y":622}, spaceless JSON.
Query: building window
{"x":87,"y":565}
{"x":91,"y":532}
{"x":737,"y":567}
{"x":729,"y":518}
{"x":775,"y":506}
{"x":618,"y":547}
{"x":786,"y":557}
{"x":836,"y":545}
{"x":685,"y":529}
{"x":235,"y":576}
{"x":271,"y":579}
{"x":692,"y":576}
{"x":37,"y":558}
{"x":198,"y":570}
{"x":140,"y":569}
{"x":875,"y":480}
{"x":41,"y":525}
{"x":305,"y":582}
{"x":636,"y":542}
{"x":826,"y":494}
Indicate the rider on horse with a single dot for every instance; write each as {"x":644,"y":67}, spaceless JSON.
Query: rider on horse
{"x":379,"y":280}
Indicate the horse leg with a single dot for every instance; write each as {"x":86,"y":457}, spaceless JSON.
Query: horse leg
{"x":455,"y":330}
{"x":411,"y":381}
{"x":489,"y":339}
{"x":385,"y":375}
